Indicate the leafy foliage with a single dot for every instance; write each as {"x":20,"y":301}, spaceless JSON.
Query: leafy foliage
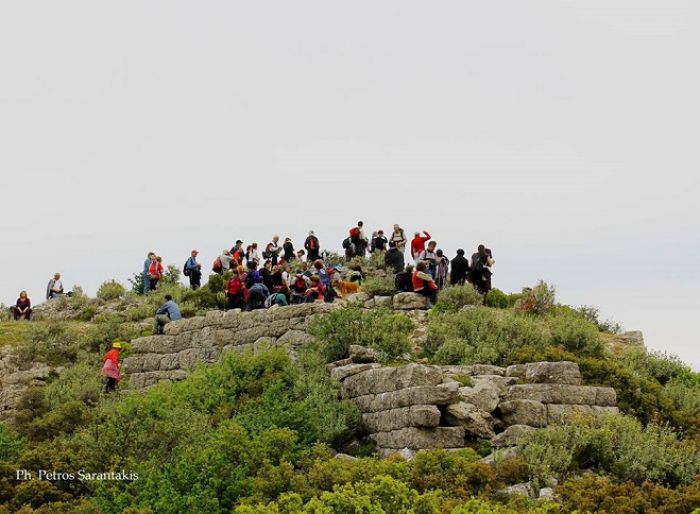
{"x":110,"y":290}
{"x":380,"y":329}
{"x":452,"y":299}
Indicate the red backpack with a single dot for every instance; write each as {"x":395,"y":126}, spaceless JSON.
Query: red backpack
{"x":355,"y":232}
{"x":300,"y":285}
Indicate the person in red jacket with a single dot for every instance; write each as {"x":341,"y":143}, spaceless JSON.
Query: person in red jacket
{"x":110,"y":367}
{"x":155,"y":272}
{"x":418,"y":243}
{"x":235,"y":294}
{"x":423,"y":282}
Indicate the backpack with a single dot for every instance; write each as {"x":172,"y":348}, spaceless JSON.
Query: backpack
{"x":186,"y":270}
{"x":355,"y":232}
{"x":217,"y":267}
{"x":346,"y":243}
{"x":300,"y":285}
{"x":270,"y":300}
{"x":313,"y":243}
{"x":267,"y":253}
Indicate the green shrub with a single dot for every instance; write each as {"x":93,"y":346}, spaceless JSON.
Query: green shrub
{"x":618,"y":445}
{"x":381,"y":329}
{"x":82,"y":382}
{"x":537,"y":300}
{"x":379,"y":286}
{"x":500,"y":300}
{"x":11,"y":444}
{"x":590,"y":313}
{"x":110,"y":290}
{"x":452,"y":299}
{"x":658,"y":365}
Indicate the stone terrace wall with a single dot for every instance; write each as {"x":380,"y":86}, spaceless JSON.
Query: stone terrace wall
{"x":420,"y":406}
{"x":205,"y":338}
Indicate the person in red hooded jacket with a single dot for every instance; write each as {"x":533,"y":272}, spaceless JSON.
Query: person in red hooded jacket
{"x":110,"y":367}
{"x":418,"y":243}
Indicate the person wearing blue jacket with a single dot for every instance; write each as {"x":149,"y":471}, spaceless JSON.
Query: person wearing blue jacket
{"x":193,"y":270}
{"x":146,"y":266}
{"x":166,"y":313}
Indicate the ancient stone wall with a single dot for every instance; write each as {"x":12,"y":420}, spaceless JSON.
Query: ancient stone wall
{"x":418,"y":406}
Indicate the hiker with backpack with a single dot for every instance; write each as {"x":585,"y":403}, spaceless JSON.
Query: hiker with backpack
{"x":222,"y":262}
{"x":235,"y":291}
{"x":358,"y":239}
{"x":322,"y":273}
{"x":257,"y":294}
{"x":272,"y":250}
{"x":252,"y":276}
{"x":288,"y":249}
{"x":393,"y":258}
{"x":404,"y":280}
{"x":313,"y":247}
{"x":459,"y":270}
{"x":193,"y":270}
{"x":146,"y":266}
{"x":299,"y":286}
{"x":280,"y":298}
{"x":398,"y":237}
{"x":349,"y":248}
{"x":418,"y":243}
{"x":423,"y":282}
{"x":237,"y":253}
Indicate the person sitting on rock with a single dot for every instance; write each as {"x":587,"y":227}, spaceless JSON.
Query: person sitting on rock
{"x":257,"y":295}
{"x":299,"y":286}
{"x":315,"y":291}
{"x":404,"y":280}
{"x":279,"y":297}
{"x":110,"y":367}
{"x":393,"y":258}
{"x":234,"y":291}
{"x":166,"y":313}
{"x":459,"y":271}
{"x":23,"y":307}
{"x":423,"y":282}
{"x":55,"y":287}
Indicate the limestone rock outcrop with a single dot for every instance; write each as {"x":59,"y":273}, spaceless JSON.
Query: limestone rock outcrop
{"x":414,"y":407}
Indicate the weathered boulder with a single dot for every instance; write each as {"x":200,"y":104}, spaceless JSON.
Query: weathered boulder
{"x":473,"y":420}
{"x":384,"y":301}
{"x":564,"y":372}
{"x":414,"y":416}
{"x":457,"y":370}
{"x":484,"y":396}
{"x":523,"y":412}
{"x":512,"y":435}
{"x":422,"y":395}
{"x":410,"y":301}
{"x":563,"y":394}
{"x":488,"y":369}
{"x":387,"y":379}
{"x":634,"y":337}
{"x":500,"y":383}
{"x":560,"y":413}
{"x":419,"y":438}
{"x":342,"y":372}
{"x":360,"y":353}
{"x":357,"y":298}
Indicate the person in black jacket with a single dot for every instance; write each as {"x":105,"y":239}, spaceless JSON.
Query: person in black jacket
{"x":459,"y":269}
{"x":394,"y":258}
{"x":404,"y":280}
{"x":312,"y":246}
{"x":288,"y":248}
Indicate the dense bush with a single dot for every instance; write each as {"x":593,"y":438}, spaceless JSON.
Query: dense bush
{"x":483,"y":335}
{"x":452,"y":299}
{"x":537,"y":300}
{"x":379,"y":286}
{"x":618,"y":445}
{"x":110,"y":290}
{"x":380,"y":329}
{"x":500,"y":300}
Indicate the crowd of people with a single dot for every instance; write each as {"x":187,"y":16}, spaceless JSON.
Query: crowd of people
{"x":282,"y":275}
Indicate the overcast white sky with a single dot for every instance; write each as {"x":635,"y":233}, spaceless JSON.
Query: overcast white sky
{"x":562,"y":134}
